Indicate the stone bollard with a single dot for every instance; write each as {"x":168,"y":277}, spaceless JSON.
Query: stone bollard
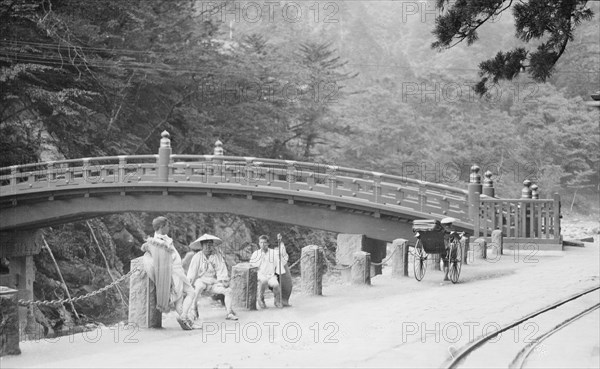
{"x":142,"y":299}
{"x":244,"y":286}
{"x":9,"y":325}
{"x":464,"y":244}
{"x":498,"y":241}
{"x":361,"y":268}
{"x":480,"y":249}
{"x":311,"y":270}
{"x":400,"y":258}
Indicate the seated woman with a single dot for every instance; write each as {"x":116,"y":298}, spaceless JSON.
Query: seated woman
{"x":208,"y":272}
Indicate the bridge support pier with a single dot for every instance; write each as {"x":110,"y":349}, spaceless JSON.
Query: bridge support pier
{"x":400,"y":259}
{"x":348,"y":244}
{"x":17,"y":249}
{"x":360,"y":271}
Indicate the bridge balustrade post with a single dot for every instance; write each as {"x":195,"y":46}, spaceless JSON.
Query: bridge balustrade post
{"x":526,"y":208}
{"x":473,"y":188}
{"x":311,"y":270}
{"x":361,"y":268}
{"x":13,"y":178}
{"x":535,"y":192}
{"x":557,"y":216}
{"x":475,"y":203}
{"x":488,"y":185}
{"x":164,"y":157}
{"x":122,"y":163}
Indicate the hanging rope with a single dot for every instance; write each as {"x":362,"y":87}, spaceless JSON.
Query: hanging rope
{"x":78,"y":298}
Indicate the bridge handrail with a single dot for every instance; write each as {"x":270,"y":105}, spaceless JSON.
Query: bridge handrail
{"x":337,"y":170}
{"x":383,"y":176}
{"x":330,"y":180}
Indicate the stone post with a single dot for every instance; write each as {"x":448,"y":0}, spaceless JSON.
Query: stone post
{"x":9,"y":324}
{"x":361,"y":268}
{"x":164,"y":157}
{"x":473,"y":188}
{"x":142,"y":298}
{"x":311,"y":270}
{"x":400,"y":258}
{"x":244,"y":286}
{"x":498,"y":240}
{"x":488,"y":185}
{"x":535,"y":194}
{"x":480,"y":249}
{"x":464,"y":243}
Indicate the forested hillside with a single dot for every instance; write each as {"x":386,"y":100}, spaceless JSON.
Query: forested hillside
{"x":351,"y":83}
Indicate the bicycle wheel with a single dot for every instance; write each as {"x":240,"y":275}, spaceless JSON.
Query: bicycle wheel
{"x":455,"y":260}
{"x":420,"y":261}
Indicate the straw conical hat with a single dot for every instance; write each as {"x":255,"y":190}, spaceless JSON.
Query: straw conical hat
{"x":205,"y":237}
{"x":448,"y":220}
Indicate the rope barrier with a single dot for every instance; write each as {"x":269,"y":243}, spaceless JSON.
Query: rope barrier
{"x":386,"y":259}
{"x":88,"y":295}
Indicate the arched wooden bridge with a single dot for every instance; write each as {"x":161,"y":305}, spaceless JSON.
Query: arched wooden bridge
{"x":309,"y":194}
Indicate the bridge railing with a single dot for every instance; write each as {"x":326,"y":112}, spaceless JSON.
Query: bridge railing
{"x":323,"y":179}
{"x":523,"y":218}
{"x":77,"y":172}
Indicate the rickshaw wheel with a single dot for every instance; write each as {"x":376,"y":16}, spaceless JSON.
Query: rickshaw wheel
{"x":420,"y":261}
{"x":455,"y":260}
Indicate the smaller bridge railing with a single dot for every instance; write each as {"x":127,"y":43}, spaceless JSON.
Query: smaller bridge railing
{"x":520,"y":218}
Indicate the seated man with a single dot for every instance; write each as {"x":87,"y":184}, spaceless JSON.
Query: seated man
{"x":268,"y":262}
{"x":208,"y":273}
{"x":163,"y":265}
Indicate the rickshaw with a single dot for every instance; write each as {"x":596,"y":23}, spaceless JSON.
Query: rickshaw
{"x":435,"y":237}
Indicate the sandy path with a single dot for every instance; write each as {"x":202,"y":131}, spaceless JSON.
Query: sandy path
{"x":393,"y":323}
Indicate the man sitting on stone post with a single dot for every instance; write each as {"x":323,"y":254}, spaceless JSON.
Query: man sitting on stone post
{"x":208,"y":273}
{"x":162,"y":262}
{"x":268,"y":262}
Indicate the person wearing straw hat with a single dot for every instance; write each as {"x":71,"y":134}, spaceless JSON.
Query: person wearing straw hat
{"x":208,"y":272}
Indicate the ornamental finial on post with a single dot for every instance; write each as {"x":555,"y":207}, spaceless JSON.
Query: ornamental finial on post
{"x":475,"y":177}
{"x":165,"y":140}
{"x":488,"y":185}
{"x":218,"y":151}
{"x":526,"y":191}
{"x":535,"y":194}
